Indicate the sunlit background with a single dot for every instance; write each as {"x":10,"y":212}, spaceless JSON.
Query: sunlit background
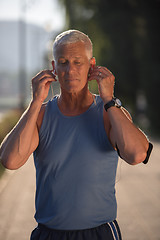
{"x":125,"y":35}
{"x":27,"y":27}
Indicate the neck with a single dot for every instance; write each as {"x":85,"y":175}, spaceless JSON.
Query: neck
{"x":75,"y":103}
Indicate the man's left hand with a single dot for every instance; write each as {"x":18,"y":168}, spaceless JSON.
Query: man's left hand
{"x":105,"y":80}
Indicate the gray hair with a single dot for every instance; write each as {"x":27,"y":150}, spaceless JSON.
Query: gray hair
{"x":73,"y":36}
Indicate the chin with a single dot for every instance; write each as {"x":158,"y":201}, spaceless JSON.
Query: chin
{"x":73,"y":88}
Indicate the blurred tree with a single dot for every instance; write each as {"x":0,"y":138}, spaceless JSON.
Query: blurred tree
{"x":151,"y":67}
{"x":125,"y":35}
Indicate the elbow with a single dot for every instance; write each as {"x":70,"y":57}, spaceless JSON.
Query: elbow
{"x":6,"y":160}
{"x":11,"y":167}
{"x":138,"y":158}
{"x":6,"y":164}
{"x":9,"y":163}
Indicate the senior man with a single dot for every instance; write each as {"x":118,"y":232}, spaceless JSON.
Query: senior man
{"x":76,"y":138}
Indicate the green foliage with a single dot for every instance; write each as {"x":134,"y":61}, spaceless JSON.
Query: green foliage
{"x":126,"y":38}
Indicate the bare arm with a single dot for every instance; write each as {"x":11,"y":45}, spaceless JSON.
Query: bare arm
{"x":23,"y":139}
{"x":130,"y":140}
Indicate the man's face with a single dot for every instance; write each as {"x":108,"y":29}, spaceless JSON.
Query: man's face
{"x":72,"y":66}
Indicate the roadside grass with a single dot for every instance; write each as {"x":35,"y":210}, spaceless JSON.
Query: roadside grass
{"x":6,"y":124}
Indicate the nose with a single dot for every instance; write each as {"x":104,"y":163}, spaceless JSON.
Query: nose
{"x":70,"y":68}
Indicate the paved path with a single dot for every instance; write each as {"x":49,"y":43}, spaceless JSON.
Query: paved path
{"x":138,"y":194}
{"x":17,"y":190}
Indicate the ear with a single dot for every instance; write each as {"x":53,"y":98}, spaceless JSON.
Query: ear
{"x":93,"y":61}
{"x":53,"y":65}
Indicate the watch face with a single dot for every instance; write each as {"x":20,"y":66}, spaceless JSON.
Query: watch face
{"x":118,"y":102}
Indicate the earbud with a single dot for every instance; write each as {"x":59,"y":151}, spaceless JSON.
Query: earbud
{"x":55,"y":75}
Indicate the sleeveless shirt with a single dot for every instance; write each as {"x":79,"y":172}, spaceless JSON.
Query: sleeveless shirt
{"x":75,"y":170}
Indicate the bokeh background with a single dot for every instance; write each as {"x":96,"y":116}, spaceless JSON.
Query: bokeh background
{"x":126,"y":39}
{"x":125,"y":36}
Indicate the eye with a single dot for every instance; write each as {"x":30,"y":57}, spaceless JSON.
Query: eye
{"x":62,"y":61}
{"x":77,"y":62}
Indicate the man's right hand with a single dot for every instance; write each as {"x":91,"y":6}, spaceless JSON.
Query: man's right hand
{"x":41,"y":84}
{"x":23,"y":139}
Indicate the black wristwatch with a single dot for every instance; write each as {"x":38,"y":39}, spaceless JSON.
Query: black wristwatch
{"x":115,"y":102}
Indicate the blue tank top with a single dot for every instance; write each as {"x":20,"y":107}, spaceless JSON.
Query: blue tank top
{"x":75,"y":170}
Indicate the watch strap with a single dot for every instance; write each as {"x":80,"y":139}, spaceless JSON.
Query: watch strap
{"x":109,"y":104}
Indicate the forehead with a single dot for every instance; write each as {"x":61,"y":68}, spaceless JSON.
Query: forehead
{"x":71,"y":50}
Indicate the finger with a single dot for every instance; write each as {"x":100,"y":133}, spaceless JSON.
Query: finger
{"x":103,"y":74}
{"x":45,"y":80}
{"x":99,"y":73}
{"x":100,"y":76}
{"x":48,"y":74}
{"x":103,"y":70}
{"x":43,"y":73}
{"x":53,"y":72}
{"x":96,"y":75}
{"x":48,"y":77}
